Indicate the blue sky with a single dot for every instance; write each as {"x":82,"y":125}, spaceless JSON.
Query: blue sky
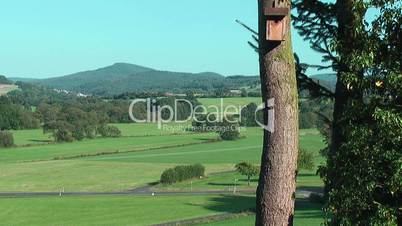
{"x":46,"y":38}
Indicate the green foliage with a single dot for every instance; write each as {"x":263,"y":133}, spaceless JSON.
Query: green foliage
{"x":6,"y":139}
{"x":365,"y":174}
{"x":63,"y":135}
{"x":244,"y":92}
{"x":305,"y":160}
{"x":182,"y":107}
{"x":248,"y":115}
{"x":14,"y":116}
{"x":312,"y":111}
{"x":109,"y":131}
{"x":247,"y":169}
{"x":229,"y":129}
{"x":363,"y":171}
{"x":181,"y":173}
{"x":70,"y":123}
{"x":205,"y":123}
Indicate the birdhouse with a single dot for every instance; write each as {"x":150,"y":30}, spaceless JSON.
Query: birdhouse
{"x":276,"y":23}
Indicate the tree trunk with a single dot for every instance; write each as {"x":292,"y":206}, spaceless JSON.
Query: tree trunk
{"x":277,"y":182}
{"x":346,"y":19}
{"x":248,"y":180}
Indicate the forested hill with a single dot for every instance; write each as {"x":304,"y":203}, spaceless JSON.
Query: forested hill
{"x":129,"y":78}
{"x":4,"y":80}
{"x":122,"y":77}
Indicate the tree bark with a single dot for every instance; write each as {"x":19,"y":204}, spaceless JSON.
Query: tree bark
{"x":277,"y":182}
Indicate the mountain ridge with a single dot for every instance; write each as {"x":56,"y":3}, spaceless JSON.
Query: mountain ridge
{"x":125,"y":77}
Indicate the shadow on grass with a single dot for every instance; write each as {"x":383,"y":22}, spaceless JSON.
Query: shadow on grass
{"x":243,"y":185}
{"x":41,"y":141}
{"x":229,"y":203}
{"x":239,"y":203}
{"x":315,"y":189}
{"x":207,"y":139}
{"x":306,"y":209}
{"x":153,"y":183}
{"x":221,"y":184}
{"x":306,"y":175}
{"x":252,"y":180}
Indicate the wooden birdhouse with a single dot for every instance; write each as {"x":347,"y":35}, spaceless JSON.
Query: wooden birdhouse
{"x":277,"y":21}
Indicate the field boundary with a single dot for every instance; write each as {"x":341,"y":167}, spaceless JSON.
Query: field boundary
{"x":209,"y":219}
{"x":121,"y":152}
{"x":50,"y":142}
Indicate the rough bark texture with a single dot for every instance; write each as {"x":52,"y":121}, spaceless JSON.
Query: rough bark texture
{"x":277,"y":183}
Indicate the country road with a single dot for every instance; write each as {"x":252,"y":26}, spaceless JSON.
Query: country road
{"x":143,"y":191}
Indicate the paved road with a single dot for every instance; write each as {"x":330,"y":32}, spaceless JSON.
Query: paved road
{"x":143,"y":191}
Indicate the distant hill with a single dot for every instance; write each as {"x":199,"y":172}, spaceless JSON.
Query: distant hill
{"x":122,"y":77}
{"x":327,"y":80}
{"x":5,"y":81}
{"x":19,"y":79}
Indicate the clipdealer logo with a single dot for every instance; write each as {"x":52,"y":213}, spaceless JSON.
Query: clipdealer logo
{"x":222,"y":111}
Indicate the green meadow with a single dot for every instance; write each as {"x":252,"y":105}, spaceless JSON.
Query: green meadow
{"x":37,"y":137}
{"x":100,"y":146}
{"x":135,"y":160}
{"x":131,"y":210}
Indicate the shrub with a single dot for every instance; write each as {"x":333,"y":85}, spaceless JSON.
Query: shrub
{"x":109,"y":131}
{"x":229,"y":135}
{"x":305,"y":160}
{"x":249,"y":117}
{"x":228,"y":129}
{"x":181,"y":173}
{"x":205,"y":123}
{"x":78,"y":133}
{"x":6,"y":139}
{"x":63,"y":135}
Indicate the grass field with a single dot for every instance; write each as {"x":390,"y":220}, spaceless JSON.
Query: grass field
{"x":31,"y":137}
{"x":100,"y":145}
{"x":37,"y":137}
{"x":115,"y":210}
{"x":151,"y":152}
{"x":129,"y":170}
{"x":306,"y":214}
{"x":231,"y":152}
{"x":130,"y":210}
{"x":228,"y":181}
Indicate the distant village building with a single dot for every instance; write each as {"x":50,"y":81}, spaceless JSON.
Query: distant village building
{"x":235,"y":91}
{"x":167,"y":94}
